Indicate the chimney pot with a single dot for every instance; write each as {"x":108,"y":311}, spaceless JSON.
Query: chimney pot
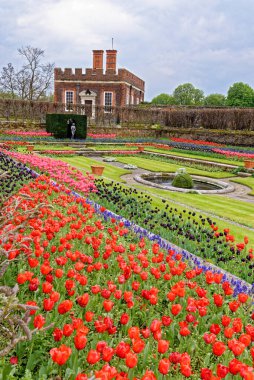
{"x":111,"y":61}
{"x":98,"y":59}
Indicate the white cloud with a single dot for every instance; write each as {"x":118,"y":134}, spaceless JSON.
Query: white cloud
{"x":167,"y":42}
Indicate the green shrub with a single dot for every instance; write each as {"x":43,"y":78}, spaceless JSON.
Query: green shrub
{"x":57,"y":125}
{"x":183,"y":180}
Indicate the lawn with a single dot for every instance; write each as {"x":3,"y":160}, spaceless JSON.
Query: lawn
{"x":160,"y":166}
{"x":84,"y":163}
{"x":197,"y":155}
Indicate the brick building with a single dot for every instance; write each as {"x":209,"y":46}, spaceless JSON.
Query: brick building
{"x":96,"y":87}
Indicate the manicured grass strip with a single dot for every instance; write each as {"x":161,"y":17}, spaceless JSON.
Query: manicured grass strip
{"x":85,"y":163}
{"x":248,"y":181}
{"x":182,"y":153}
{"x":159,"y":166}
{"x":53,"y":147}
{"x":113,"y":147}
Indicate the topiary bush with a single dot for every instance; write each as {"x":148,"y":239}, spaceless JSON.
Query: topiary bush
{"x":183,"y":180}
{"x":57,"y":124}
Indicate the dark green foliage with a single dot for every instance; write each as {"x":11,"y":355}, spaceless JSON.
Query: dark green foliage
{"x":57,"y":124}
{"x":183,"y":180}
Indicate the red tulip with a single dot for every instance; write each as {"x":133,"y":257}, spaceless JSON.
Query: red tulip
{"x":134,"y":332}
{"x":163,"y":346}
{"x":225,"y":320}
{"x":107,"y":354}
{"x":64,"y":307}
{"x":215,"y":328}
{"x":124,"y":319}
{"x":218,"y":348}
{"x":57,"y":334}
{"x":108,"y":305}
{"x":131,"y":360}
{"x":39,"y":321}
{"x":164,"y":365}
{"x":81,"y":376}
{"x":176,"y":309}
{"x":206,"y":374}
{"x":122,"y":349}
{"x":48,"y":304}
{"x":218,"y":300}
{"x":222,"y":370}
{"x":234,"y":366}
{"x":14,"y":360}
{"x":101,"y":345}
{"x":83,"y":300}
{"x":93,"y":357}
{"x":138,"y":345}
{"x":80,"y":341}
{"x":89,"y":316}
{"x":166,"y":320}
{"x":60,"y":355}
{"x":68,"y":329}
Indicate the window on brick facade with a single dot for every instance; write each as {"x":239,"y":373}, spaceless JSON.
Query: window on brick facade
{"x":69,"y":96}
{"x":127,"y":96}
{"x":108,"y":96}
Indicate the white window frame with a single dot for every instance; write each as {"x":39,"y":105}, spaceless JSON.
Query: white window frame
{"x":127,"y":96}
{"x":68,"y":103}
{"x":108,"y":107}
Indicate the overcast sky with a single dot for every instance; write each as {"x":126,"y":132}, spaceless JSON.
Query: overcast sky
{"x":209,"y":43}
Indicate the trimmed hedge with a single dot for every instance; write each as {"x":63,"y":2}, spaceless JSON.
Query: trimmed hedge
{"x":183,"y":180}
{"x":57,"y":125}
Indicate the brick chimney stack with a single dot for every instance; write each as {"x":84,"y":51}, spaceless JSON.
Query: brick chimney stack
{"x":111,"y":61}
{"x":98,"y":59}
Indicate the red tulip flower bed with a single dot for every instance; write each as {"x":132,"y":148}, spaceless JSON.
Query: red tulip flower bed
{"x":122,"y":307}
{"x":197,"y":142}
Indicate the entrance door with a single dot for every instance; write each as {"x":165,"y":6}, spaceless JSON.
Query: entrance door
{"x":88,"y":99}
{"x":89,"y":108}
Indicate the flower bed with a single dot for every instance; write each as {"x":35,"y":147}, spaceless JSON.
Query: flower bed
{"x":196,"y":142}
{"x":234,"y":154}
{"x":57,"y":170}
{"x":101,"y":135}
{"x":122,"y":307}
{"x":28,"y":133}
{"x":189,"y":230}
{"x":13,"y":175}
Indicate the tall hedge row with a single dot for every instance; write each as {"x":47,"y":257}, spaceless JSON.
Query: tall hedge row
{"x":229,"y":118}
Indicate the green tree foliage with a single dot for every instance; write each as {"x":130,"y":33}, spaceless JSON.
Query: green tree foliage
{"x":163,"y":99}
{"x":214,"y":100}
{"x":240,"y":95}
{"x":187,"y":94}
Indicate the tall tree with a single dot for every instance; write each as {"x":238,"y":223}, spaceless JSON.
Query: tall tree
{"x":163,"y":99}
{"x":187,"y":94}
{"x":215,"y":100}
{"x":240,"y":95}
{"x":34,"y":78}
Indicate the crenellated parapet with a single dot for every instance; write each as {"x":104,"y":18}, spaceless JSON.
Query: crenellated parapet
{"x":122,"y":75}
